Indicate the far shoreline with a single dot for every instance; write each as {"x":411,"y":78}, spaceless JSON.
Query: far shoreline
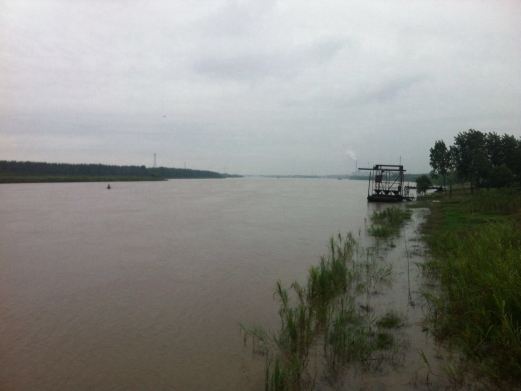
{"x":43,"y":172}
{"x":19,"y":180}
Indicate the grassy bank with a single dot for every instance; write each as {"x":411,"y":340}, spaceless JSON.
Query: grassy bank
{"x":475,"y":240}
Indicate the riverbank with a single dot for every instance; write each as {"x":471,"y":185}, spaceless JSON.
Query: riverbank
{"x":475,"y":245}
{"x":51,"y":179}
{"x":357,"y":321}
{"x":31,"y":172}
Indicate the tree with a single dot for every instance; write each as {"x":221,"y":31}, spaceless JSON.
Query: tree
{"x":495,"y":151}
{"x":501,"y":176}
{"x":483,"y":159}
{"x":423,"y":182}
{"x":440,"y":160}
{"x":512,"y":154}
{"x":471,"y":159}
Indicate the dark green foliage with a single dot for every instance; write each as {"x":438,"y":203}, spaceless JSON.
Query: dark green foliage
{"x":12,"y":171}
{"x":481,"y":159}
{"x":440,"y":158}
{"x":423,"y":182}
{"x":500,"y":176}
{"x":470,"y":156}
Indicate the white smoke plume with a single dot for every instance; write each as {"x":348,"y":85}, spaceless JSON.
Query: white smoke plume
{"x":351,"y":154}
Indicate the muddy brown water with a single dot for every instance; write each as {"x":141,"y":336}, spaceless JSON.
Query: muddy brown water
{"x":143,"y":286}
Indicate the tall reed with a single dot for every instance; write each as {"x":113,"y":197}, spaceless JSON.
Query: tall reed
{"x":323,"y":310}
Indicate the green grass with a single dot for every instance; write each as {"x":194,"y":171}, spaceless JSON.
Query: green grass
{"x":475,"y":240}
{"x":388,"y":222}
{"x":324,"y":311}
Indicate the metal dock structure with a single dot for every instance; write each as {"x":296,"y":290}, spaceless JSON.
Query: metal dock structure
{"x":386,"y":183}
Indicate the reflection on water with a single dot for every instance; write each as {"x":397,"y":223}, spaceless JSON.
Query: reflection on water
{"x":143,"y":286}
{"x":416,"y":361}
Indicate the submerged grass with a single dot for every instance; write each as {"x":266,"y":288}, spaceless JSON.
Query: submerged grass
{"x":388,"y":222}
{"x":324,"y":312}
{"x":475,"y":241}
{"x":390,"y":320}
{"x":348,"y":337}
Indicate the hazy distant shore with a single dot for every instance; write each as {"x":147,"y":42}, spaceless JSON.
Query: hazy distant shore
{"x":30,"y":172}
{"x":47,"y":179}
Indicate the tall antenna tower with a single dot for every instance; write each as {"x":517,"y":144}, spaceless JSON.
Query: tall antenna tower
{"x":155,"y":160}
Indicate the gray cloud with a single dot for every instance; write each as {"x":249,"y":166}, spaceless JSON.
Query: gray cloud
{"x":256,"y":86}
{"x":237,"y":17}
{"x":391,"y":89}
{"x":254,"y":65}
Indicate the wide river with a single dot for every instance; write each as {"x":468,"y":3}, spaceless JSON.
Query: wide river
{"x":143,"y":287}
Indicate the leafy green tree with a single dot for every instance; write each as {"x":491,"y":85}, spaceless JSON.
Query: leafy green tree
{"x":423,"y":182}
{"x":440,"y":160}
{"x":471,"y":159}
{"x":495,"y":152}
{"x":483,"y":159}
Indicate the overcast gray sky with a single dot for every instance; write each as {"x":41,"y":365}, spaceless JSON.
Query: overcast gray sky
{"x":254,"y":87}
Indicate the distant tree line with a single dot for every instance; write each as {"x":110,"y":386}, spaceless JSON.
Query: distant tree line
{"x":37,"y":169}
{"x":483,"y":159}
